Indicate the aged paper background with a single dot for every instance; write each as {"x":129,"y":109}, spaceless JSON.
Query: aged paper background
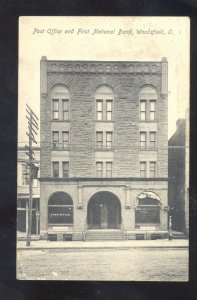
{"x":116,"y":38}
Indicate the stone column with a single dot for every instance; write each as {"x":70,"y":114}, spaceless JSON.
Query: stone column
{"x":164,"y":74}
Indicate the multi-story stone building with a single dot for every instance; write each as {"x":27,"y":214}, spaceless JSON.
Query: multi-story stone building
{"x":104,"y":149}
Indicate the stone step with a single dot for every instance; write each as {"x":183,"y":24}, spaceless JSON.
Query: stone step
{"x":104,"y":235}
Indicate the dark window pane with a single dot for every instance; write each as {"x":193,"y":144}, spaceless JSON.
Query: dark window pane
{"x":60,"y":215}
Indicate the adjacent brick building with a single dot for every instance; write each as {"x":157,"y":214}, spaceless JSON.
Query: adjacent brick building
{"x":179,"y":176}
{"x":104,"y":148}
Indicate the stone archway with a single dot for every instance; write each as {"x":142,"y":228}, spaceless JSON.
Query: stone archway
{"x":104,"y":211}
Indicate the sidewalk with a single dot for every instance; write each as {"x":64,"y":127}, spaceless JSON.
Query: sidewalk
{"x":125,"y":244}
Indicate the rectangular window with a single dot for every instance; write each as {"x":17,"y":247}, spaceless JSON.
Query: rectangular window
{"x":109,"y":110}
{"x":56,"y":169}
{"x":152,"y":171}
{"x":152,"y":110}
{"x":99,"y":139}
{"x":65,"y":139}
{"x":55,"y":140}
{"x":65,"y":108}
{"x":25,"y":174}
{"x":109,"y":140}
{"x":142,"y":169}
{"x":99,"y":169}
{"x":142,"y":140}
{"x":65,"y":168}
{"x":152,"y":140}
{"x":99,"y":110}
{"x":142,"y":110}
{"x":55,"y":109}
{"x":108,"y":169}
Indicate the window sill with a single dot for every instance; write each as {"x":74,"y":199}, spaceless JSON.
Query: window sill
{"x":60,"y":121}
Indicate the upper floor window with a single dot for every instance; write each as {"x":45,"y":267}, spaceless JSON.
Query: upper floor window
{"x":152,"y":110}
{"x":65,"y":139}
{"x":65,"y":169}
{"x":109,"y":110}
{"x":104,"y":169}
{"x":55,"y":139}
{"x":60,"y":103}
{"x":104,"y":140}
{"x":104,"y":97}
{"x":55,"y":169}
{"x":65,"y":109}
{"x":99,"y":169}
{"x":152,"y":139}
{"x":148,"y":98}
{"x":25,"y":174}
{"x":152,"y":169}
{"x":108,"y":169}
{"x":142,"y":110}
{"x":142,"y":169}
{"x":99,"y":110}
{"x":99,"y":139}
{"x":55,"y":109}
{"x":143,"y":140}
{"x":109,"y":139}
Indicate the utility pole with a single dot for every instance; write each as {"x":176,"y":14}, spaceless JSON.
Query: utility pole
{"x":33,"y":170}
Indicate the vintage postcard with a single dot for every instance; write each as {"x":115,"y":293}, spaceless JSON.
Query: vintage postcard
{"x":103,"y":148}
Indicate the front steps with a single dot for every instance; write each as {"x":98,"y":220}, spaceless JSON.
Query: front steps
{"x":176,"y":235}
{"x":104,"y":235}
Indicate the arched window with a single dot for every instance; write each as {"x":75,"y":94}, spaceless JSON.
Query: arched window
{"x":60,"y":103}
{"x":60,"y":209}
{"x":104,"y":97}
{"x":148,"y":98}
{"x":148,"y":207}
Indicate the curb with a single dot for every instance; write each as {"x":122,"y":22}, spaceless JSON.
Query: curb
{"x":101,"y":248}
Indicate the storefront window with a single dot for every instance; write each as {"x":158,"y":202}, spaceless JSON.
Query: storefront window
{"x":60,"y":209}
{"x":148,"y":209}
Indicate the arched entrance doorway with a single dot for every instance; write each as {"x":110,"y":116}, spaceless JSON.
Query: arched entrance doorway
{"x":104,"y":211}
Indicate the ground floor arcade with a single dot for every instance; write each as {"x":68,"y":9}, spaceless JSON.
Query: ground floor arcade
{"x":69,"y":210}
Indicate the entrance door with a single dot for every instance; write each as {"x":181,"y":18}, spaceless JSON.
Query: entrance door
{"x":104,"y":211}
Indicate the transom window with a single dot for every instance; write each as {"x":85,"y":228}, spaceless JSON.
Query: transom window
{"x":104,"y":97}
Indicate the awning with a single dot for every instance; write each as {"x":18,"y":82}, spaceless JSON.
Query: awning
{"x":149,"y":195}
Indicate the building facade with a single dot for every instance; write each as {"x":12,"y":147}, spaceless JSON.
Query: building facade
{"x":104,"y":148}
{"x":23,"y":193}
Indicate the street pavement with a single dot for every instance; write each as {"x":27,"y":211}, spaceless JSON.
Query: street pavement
{"x":40,"y":244}
{"x":105,"y":264}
